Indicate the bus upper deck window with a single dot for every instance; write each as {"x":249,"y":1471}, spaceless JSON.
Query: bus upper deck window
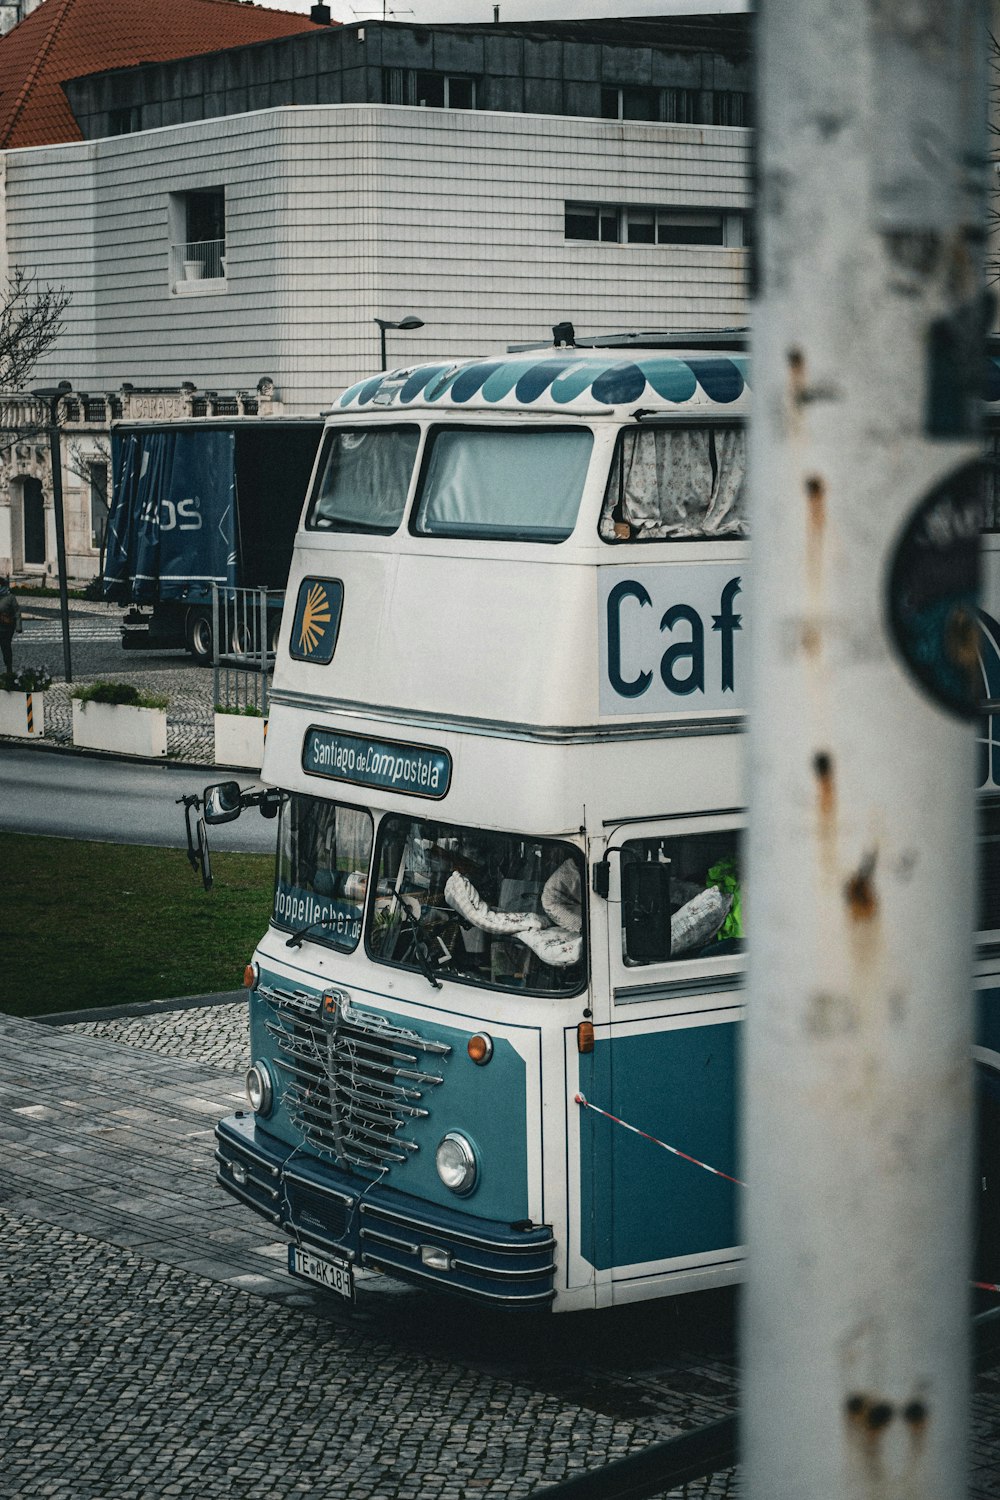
{"x":364,"y":478}
{"x":705,"y":901}
{"x":516,"y":483}
{"x":674,"y":483}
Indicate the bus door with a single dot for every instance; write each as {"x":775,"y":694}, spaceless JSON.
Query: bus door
{"x":584,"y":1073}
{"x":667,"y":1083}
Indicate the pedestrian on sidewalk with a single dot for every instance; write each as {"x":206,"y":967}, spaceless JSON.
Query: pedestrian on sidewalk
{"x":10,"y":620}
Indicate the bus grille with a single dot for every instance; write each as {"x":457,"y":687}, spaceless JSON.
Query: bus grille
{"x":352,"y":1082}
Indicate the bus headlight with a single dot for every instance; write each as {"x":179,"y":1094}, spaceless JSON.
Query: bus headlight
{"x":456,"y":1163}
{"x":259,"y":1090}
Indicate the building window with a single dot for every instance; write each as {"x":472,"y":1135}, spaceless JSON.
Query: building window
{"x":198,"y":238}
{"x":592,"y":221}
{"x":98,"y":503}
{"x":125,"y":120}
{"x":33,"y":522}
{"x":433,"y":90}
{"x":684,"y":228}
{"x":681,"y":106}
{"x":731,"y":108}
{"x":631,"y":103}
{"x":621,"y":224}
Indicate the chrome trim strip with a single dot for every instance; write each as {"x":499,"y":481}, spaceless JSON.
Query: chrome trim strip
{"x":507,"y":1274}
{"x":388,"y":1239}
{"x":584,"y":734}
{"x":679,"y":989}
{"x":467,"y":1291}
{"x":230,"y":1187}
{"x":675,"y":817}
{"x":249,"y":1153}
{"x":262,"y":1186}
{"x":324,"y":1192}
{"x":460,"y":1236}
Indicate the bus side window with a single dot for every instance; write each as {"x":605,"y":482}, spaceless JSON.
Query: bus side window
{"x":676,"y":482}
{"x":705,"y":905}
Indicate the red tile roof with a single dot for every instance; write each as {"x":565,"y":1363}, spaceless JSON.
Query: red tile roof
{"x":67,"y":38}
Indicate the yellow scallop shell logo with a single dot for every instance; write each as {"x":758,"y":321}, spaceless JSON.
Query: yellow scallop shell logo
{"x":315,"y":618}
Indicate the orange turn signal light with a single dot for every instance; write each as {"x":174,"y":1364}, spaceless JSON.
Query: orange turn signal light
{"x":249,"y":977}
{"x":480,"y":1048}
{"x":585,"y":1036}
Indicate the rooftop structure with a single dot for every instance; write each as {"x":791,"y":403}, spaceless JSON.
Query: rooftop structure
{"x":65,"y":39}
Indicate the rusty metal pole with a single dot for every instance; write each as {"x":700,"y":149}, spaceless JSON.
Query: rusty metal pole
{"x":861,"y":852}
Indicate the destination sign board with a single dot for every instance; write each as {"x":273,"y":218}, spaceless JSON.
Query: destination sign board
{"x":416,"y":770}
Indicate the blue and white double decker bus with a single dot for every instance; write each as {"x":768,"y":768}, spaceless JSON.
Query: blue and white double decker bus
{"x":494,"y":1019}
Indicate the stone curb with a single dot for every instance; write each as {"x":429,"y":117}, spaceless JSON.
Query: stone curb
{"x":129,"y":760}
{"x":139,"y":1008}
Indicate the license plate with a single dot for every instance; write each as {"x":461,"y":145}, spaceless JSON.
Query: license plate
{"x":335,"y":1275}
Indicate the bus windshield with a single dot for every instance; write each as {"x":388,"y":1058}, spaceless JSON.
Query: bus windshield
{"x":324,"y":851}
{"x":524,"y":484}
{"x":676,"y":482}
{"x":364,"y":479}
{"x":494,"y":909}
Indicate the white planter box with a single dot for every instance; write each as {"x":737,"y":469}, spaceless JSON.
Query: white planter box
{"x":22,"y":714}
{"x":121,"y":728}
{"x":239,"y":741}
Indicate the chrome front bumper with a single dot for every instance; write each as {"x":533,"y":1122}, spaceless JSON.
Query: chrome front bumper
{"x":316,"y":1203}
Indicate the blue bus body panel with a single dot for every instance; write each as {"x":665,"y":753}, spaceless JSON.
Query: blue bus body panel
{"x":641,"y":1203}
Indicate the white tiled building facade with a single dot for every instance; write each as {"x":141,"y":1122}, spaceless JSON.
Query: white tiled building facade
{"x":337,"y":214}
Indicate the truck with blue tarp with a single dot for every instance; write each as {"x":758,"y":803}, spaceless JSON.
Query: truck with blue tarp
{"x":200,"y":503}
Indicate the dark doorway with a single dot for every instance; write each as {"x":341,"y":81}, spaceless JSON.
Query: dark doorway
{"x":34,"y":522}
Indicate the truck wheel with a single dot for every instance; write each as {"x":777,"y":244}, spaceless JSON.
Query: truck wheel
{"x":199,"y":638}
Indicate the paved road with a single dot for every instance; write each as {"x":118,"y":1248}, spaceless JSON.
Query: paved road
{"x":95,"y":641}
{"x":76,"y":796}
{"x":155,"y":1346}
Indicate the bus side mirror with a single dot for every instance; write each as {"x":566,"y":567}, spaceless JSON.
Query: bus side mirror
{"x":646,"y":912}
{"x":222,"y":802}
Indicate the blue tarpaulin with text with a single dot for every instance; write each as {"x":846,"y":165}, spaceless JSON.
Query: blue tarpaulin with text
{"x":172,"y":523}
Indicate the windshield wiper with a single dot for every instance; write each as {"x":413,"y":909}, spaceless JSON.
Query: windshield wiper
{"x":295,"y":941}
{"x":414,"y":927}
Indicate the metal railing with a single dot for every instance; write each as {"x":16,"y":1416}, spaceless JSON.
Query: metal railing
{"x":244,"y":635}
{"x":199,"y":260}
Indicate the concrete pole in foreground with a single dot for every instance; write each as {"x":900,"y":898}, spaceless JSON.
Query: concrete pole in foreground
{"x":861,"y":854}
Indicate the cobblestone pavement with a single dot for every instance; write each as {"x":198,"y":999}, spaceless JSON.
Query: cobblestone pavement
{"x":93,"y":625}
{"x":157,"y":1348}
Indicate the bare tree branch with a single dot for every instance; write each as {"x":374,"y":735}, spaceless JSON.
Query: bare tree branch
{"x":31,"y":319}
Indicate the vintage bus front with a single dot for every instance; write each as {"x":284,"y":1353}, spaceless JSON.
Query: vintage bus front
{"x":506,"y":910}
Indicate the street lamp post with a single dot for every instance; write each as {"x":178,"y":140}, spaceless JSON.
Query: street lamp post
{"x":52,"y":395}
{"x":404,"y":325}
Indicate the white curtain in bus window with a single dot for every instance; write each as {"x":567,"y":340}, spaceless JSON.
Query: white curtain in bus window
{"x":324,"y":851}
{"x":705,"y":902}
{"x":364,"y":479}
{"x":676,"y":482}
{"x":520,"y":484}
{"x":485,"y":908}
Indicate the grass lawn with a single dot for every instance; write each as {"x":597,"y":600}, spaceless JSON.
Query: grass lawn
{"x":86,"y":924}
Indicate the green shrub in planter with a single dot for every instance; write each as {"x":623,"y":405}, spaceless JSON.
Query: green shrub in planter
{"x":118,"y":692}
{"x":27,"y":680}
{"x":248,"y":711}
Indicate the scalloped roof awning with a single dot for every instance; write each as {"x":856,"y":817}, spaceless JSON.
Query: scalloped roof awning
{"x":65,"y":39}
